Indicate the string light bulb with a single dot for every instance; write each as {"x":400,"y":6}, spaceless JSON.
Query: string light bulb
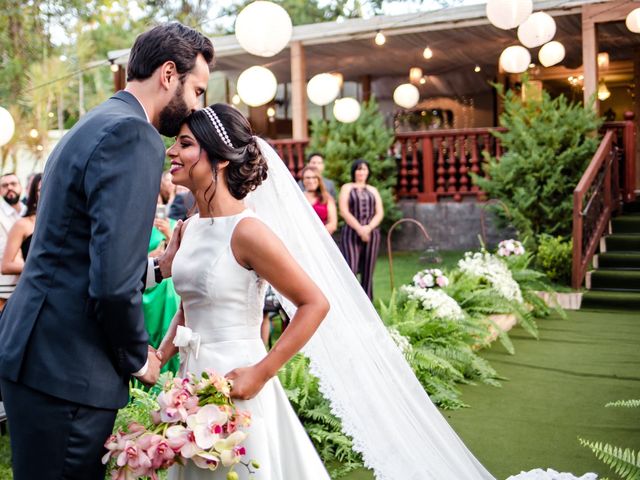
{"x":380,"y":38}
{"x":477,"y":69}
{"x":427,"y":53}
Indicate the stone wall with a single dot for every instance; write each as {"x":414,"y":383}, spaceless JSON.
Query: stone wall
{"x":451,"y":226}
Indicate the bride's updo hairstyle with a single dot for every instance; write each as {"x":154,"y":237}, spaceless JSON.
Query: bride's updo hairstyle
{"x":225,"y":134}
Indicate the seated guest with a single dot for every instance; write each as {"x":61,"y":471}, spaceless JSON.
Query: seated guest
{"x":19,"y":238}
{"x":319,"y":198}
{"x":316,"y":160}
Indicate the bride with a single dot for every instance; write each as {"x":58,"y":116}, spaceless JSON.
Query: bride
{"x":227,"y":255}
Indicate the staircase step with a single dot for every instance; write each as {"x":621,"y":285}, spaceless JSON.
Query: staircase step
{"x":619,"y":260}
{"x":599,"y":299}
{"x":626,"y":224}
{"x":604,"y":279}
{"x":633,"y":207}
{"x":624,"y":242}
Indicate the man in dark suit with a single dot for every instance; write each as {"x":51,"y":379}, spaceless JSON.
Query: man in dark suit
{"x":182,"y":204}
{"x":73,"y":332}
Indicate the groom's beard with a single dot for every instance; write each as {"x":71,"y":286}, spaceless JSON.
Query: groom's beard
{"x":172,"y":116}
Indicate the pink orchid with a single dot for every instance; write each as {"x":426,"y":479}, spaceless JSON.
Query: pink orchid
{"x":134,"y":457}
{"x":227,"y":447}
{"x":182,"y":440}
{"x":176,"y":404}
{"x":206,"y":461}
{"x":206,"y":425}
{"x":158,"y":449}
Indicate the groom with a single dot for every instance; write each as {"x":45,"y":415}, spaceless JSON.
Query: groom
{"x":73,"y":333}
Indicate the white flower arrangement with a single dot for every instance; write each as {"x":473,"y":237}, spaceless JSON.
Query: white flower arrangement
{"x":511,"y":247}
{"x":550,"y":474}
{"x":430,"y":278}
{"x":493,"y":270}
{"x":436,"y":301}
{"x":401,"y":341}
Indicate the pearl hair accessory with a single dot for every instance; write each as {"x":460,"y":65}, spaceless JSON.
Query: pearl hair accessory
{"x":217,"y":124}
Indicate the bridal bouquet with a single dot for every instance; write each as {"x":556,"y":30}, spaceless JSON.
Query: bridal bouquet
{"x":192,"y":419}
{"x":508,"y":248}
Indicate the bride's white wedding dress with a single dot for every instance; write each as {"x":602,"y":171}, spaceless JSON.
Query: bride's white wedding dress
{"x":223,"y":307}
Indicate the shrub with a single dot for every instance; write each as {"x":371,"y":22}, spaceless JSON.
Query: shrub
{"x":554,"y":258}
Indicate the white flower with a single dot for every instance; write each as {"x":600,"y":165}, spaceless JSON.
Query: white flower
{"x":206,"y":425}
{"x":510,"y":247}
{"x":400,"y":340}
{"x":494,"y":271}
{"x":550,"y":474}
{"x":430,"y":278}
{"x":441,"y":304}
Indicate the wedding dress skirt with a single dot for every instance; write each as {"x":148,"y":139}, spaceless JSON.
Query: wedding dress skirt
{"x":223,"y":306}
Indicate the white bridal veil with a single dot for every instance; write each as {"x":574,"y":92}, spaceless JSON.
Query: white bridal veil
{"x":368,"y":382}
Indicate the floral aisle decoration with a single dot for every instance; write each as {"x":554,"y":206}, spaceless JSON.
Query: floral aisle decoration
{"x":508,"y":248}
{"x":427,"y":290}
{"x":550,"y":474}
{"x":191,"y":419}
{"x":493,"y":270}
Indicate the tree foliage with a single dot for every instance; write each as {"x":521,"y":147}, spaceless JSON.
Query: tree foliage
{"x":548,"y":145}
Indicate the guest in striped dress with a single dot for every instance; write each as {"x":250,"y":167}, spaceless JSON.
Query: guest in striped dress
{"x":361,"y":208}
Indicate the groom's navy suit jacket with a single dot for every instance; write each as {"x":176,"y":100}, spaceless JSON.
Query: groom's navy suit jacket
{"x":74,"y":327}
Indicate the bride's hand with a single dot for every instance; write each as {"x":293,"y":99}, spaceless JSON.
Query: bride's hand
{"x":246,"y":382}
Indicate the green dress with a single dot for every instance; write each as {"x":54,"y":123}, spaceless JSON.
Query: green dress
{"x":160,"y":304}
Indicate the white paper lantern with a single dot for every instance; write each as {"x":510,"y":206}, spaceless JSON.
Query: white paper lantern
{"x":515,"y":59}
{"x":551,"y":53}
{"x":508,"y":14}
{"x":633,"y":20}
{"x":536,"y":30}
{"x":7,"y":126}
{"x":256,"y":86}
{"x":263,"y":28}
{"x":346,"y":110}
{"x":406,"y":95}
{"x":323,"y":89}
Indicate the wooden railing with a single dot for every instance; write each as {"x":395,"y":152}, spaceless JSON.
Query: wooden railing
{"x":625,"y":140}
{"x":437,"y":163}
{"x":595,"y":198}
{"x":292,"y":153}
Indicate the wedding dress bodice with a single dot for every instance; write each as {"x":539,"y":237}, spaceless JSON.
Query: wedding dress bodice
{"x":222,"y":300}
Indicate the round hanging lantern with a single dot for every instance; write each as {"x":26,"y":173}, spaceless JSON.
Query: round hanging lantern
{"x":633,"y":20}
{"x":508,"y":14}
{"x":7,"y":126}
{"x":406,"y":95}
{"x":263,"y":28}
{"x":323,"y":89}
{"x":515,"y":59}
{"x":536,"y":30}
{"x":346,"y":110}
{"x":551,"y":53}
{"x":257,"y":86}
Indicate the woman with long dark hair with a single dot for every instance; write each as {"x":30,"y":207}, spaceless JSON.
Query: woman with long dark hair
{"x":317,"y":195}
{"x":19,"y":238}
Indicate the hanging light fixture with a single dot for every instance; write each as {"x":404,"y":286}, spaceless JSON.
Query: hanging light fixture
{"x":603,"y":60}
{"x":33,"y":133}
{"x":427,"y":53}
{"x":515,"y":59}
{"x":323,"y":89}
{"x":603,"y":91}
{"x":537,"y":30}
{"x":257,"y":86}
{"x":551,"y":53}
{"x":7,"y":126}
{"x":508,"y":14}
{"x":415,"y":74}
{"x":236,"y":99}
{"x":406,"y":95}
{"x":633,"y":20}
{"x":477,"y":69}
{"x":380,"y":39}
{"x":346,"y":110}
{"x":263,"y":28}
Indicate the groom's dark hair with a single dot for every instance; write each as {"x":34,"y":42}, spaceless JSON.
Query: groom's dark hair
{"x":168,"y":42}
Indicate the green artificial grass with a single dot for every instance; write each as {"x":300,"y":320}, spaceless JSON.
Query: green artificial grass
{"x":611,"y":300}
{"x":556,"y":391}
{"x":622,"y":260}
{"x":626,"y":224}
{"x":625,"y":242}
{"x":405,"y":266}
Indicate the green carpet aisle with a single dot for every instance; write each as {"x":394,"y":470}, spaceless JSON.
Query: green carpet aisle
{"x":556,"y":392}
{"x":615,"y":284}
